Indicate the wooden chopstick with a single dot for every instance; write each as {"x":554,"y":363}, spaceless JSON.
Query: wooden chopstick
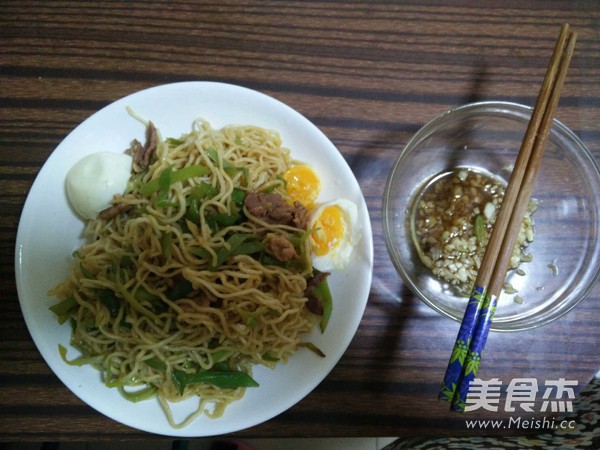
{"x":504,"y":255}
{"x":472,"y":335}
{"x":516,"y":179}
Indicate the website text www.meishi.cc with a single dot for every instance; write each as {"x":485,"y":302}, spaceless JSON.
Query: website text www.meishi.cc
{"x":520,"y":423}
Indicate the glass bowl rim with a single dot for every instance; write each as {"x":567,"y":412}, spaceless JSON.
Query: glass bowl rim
{"x":496,"y":108}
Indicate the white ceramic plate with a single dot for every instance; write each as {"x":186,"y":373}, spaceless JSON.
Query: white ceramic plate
{"x":49,"y":232}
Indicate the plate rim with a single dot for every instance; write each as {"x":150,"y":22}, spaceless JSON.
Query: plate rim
{"x":21,"y":248}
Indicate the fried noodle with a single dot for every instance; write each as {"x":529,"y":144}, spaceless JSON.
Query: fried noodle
{"x":158,"y":293}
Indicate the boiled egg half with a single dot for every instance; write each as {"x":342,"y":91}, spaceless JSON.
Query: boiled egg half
{"x":94,"y":180}
{"x":302,"y":185}
{"x":336,"y":232}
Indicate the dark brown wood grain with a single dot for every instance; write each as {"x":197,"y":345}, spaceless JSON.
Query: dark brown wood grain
{"x":369,"y":74}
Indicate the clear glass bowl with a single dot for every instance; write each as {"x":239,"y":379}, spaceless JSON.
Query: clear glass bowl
{"x":488,"y":136}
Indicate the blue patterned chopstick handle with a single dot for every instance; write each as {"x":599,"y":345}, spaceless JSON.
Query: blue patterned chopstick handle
{"x":461,"y":346}
{"x":473,"y":358}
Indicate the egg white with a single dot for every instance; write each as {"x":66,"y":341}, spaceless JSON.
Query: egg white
{"x":338,"y":256}
{"x":94,"y":180}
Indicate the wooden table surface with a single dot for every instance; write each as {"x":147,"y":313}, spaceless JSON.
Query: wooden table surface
{"x":368,"y":75}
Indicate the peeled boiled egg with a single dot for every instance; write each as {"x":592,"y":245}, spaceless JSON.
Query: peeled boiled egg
{"x":302,"y":185}
{"x":94,"y":180}
{"x":336,"y":232}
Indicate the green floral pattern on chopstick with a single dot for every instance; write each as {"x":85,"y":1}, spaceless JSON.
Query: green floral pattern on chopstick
{"x":473,"y":359}
{"x":460,"y":352}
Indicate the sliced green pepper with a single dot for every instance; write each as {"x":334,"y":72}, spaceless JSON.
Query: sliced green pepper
{"x":180,"y":289}
{"x":238,"y":196}
{"x":221,"y":379}
{"x":212,"y":154}
{"x":166,"y":245}
{"x":203,"y":190}
{"x":269,"y":358}
{"x":313,"y":348}
{"x":237,"y":244}
{"x":248,"y":317}
{"x":268,"y":260}
{"x":172,"y":177}
{"x":164,"y":181}
{"x":142,"y":295}
{"x":193,"y":211}
{"x":480,"y":232}
{"x":110,"y":301}
{"x":156,"y":364}
{"x":192,"y":171}
{"x":79,"y":361}
{"x":229,"y":168}
{"x":221,"y":355}
{"x":323,"y":292}
{"x":221,"y":220}
{"x":86,"y":273}
{"x":173,"y":142}
{"x":64,"y":309}
{"x":126,"y":262}
{"x":139,"y":395}
{"x":136,"y":305}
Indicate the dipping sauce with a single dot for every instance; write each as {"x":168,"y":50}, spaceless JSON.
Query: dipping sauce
{"x":451,"y":220}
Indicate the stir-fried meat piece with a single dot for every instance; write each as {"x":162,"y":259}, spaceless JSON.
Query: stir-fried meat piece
{"x":269,"y":206}
{"x":143,"y":154}
{"x":273,"y":208}
{"x":300,"y":216}
{"x":118,"y":207}
{"x":281,"y":213}
{"x":257,"y":203}
{"x":281,"y":248}
{"x":314,"y":303}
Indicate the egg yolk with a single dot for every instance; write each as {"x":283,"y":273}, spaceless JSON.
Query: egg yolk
{"x":330,"y":230}
{"x":302,"y":185}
